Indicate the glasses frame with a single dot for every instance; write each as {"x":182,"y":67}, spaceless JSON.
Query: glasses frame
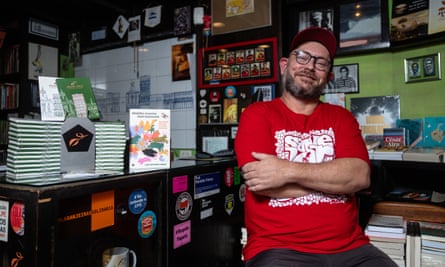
{"x":297,"y":52}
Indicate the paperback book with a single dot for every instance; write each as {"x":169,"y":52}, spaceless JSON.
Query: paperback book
{"x":386,"y":223}
{"x":150,"y":134}
{"x":78,"y":98}
{"x":394,"y":137}
{"x":434,"y":131}
{"x":51,"y":108}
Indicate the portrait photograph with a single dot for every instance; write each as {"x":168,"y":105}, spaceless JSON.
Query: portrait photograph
{"x":345,"y":80}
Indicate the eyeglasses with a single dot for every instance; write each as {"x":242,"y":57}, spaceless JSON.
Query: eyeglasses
{"x":302,"y":57}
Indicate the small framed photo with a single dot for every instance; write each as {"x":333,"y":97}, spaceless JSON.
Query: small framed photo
{"x":345,"y":80}
{"x":423,"y":68}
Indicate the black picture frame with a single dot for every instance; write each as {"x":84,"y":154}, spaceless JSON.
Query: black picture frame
{"x":368,"y":32}
{"x":374,"y":15}
{"x":346,"y":79}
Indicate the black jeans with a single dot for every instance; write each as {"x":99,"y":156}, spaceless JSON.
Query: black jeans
{"x":364,"y":256}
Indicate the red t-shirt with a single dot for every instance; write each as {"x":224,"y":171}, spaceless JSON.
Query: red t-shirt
{"x":315,"y":223}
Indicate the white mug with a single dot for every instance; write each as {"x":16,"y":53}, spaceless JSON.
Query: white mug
{"x":118,"y":257}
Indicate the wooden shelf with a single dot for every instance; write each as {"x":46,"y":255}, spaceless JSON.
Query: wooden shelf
{"x":412,"y":211}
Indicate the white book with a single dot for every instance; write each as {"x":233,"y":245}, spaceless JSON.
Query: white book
{"x":51,"y":108}
{"x":150,"y":135}
{"x":386,"y":223}
{"x":387,"y":235}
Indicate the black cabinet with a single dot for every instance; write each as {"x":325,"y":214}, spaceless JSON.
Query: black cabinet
{"x":189,"y":215}
{"x":205,"y":211}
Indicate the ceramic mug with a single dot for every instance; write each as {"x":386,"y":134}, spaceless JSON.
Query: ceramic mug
{"x":118,"y":257}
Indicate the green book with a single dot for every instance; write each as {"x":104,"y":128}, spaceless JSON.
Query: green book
{"x":77,"y":98}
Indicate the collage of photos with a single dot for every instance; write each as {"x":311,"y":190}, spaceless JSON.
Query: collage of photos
{"x":237,"y":64}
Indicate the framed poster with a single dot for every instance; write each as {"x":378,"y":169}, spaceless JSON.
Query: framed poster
{"x":235,"y":16}
{"x":42,"y":61}
{"x":238,"y":63}
{"x":363,"y":25}
{"x":423,"y":68}
{"x":346,"y":79}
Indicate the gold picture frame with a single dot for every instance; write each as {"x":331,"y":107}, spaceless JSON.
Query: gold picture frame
{"x":251,"y":15}
{"x":423,"y":68}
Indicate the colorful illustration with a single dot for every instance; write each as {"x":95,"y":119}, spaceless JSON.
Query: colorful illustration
{"x":149,"y":139}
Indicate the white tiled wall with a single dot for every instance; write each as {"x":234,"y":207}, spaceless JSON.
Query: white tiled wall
{"x":116,"y":72}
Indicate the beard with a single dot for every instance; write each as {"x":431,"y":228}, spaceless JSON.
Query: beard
{"x":288,"y":84}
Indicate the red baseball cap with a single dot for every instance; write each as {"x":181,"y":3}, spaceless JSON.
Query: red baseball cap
{"x":316,"y":34}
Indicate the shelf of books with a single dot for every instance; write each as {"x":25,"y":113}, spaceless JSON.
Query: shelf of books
{"x":410,"y":243}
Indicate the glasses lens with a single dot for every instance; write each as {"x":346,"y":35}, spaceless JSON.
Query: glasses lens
{"x":303,"y":58}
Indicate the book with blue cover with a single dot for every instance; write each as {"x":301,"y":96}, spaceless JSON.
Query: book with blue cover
{"x":434,"y":131}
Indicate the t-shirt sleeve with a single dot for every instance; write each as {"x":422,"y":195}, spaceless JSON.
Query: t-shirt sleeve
{"x":253,"y":133}
{"x":348,"y":138}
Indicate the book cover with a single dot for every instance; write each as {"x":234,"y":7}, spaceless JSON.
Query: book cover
{"x":375,"y":113}
{"x":386,"y":223}
{"x":51,"y":108}
{"x":432,"y":231}
{"x":394,"y":137}
{"x":434,"y":131}
{"x":415,"y":130}
{"x":78,"y":98}
{"x":150,"y":133}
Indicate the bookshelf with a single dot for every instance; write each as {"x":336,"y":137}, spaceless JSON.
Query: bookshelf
{"x":19,"y":93}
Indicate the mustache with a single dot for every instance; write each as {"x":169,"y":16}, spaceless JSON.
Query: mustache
{"x":306,"y":73}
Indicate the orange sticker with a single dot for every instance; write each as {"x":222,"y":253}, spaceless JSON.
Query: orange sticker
{"x":102,"y":210}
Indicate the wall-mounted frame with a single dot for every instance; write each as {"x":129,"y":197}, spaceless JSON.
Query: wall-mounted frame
{"x":355,"y":35}
{"x":297,"y":17}
{"x":42,"y":61}
{"x":346,"y":79}
{"x":238,"y":63}
{"x":43,"y":29}
{"x":231,"y":16}
{"x":369,"y":31}
{"x":423,"y":68}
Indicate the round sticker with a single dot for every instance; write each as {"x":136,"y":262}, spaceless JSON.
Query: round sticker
{"x":147,"y":224}
{"x":137,"y":201}
{"x":202,"y":103}
{"x":230,"y":92}
{"x":184,"y":204}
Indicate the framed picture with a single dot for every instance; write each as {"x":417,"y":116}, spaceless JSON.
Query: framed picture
{"x":423,"y":68}
{"x":235,"y":16}
{"x":238,"y":63}
{"x":346,"y":79}
{"x":43,"y":29}
{"x":43,"y":61}
{"x":363,"y":25}
{"x":297,"y":17}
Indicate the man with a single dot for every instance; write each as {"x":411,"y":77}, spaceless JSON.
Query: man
{"x":344,"y":81}
{"x":302,"y":161}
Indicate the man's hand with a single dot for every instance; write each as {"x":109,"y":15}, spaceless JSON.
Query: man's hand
{"x":268,"y":172}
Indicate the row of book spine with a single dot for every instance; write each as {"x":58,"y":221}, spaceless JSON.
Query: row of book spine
{"x":10,"y":60}
{"x":408,"y":243}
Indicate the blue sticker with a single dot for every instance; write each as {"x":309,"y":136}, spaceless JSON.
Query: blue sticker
{"x":137,"y":201}
{"x":230,"y":92}
{"x":147,"y":224}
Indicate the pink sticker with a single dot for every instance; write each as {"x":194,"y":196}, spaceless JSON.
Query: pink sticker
{"x":182,"y":234}
{"x":179,"y":184}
